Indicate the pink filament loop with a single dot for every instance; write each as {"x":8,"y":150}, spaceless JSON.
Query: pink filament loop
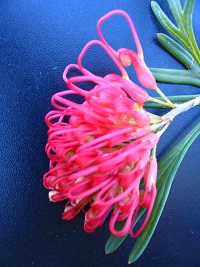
{"x":128,"y":223}
{"x":134,"y":33}
{"x":105,"y":47}
{"x":151,"y":204}
{"x":149,"y":194}
{"x":88,"y":77}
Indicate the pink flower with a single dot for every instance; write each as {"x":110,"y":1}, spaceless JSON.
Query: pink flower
{"x":100,"y":150}
{"x":100,"y":156}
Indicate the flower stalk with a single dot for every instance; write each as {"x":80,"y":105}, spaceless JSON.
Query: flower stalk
{"x":161,"y":102}
{"x":168,"y":102}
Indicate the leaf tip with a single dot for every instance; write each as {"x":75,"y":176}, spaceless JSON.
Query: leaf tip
{"x":154,"y":4}
{"x":108,"y":250}
{"x":130,"y":261}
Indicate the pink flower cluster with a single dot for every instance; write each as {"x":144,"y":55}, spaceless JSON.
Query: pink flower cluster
{"x":100,"y":150}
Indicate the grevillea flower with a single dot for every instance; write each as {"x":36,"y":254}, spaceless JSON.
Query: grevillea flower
{"x":100,"y":149}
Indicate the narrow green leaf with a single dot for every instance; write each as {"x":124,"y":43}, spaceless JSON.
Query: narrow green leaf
{"x":177,"y":51}
{"x":173,"y":99}
{"x":114,"y":242}
{"x":182,"y":98}
{"x":143,"y":240}
{"x":176,"y":9}
{"x":177,"y":76}
{"x":188,"y":11}
{"x":163,"y":19}
{"x":187,"y":22}
{"x":186,"y":38}
{"x":168,"y":159}
{"x":168,"y":168}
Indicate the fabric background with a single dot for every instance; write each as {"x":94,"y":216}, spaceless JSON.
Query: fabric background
{"x":38,"y":38}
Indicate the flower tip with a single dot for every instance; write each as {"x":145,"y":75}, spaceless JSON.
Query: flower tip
{"x":51,"y":193}
{"x":125,"y":59}
{"x":67,"y":208}
{"x":143,"y":73}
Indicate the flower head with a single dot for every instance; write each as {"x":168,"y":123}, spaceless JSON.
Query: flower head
{"x":99,"y":149}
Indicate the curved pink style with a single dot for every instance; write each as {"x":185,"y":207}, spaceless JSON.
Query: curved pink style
{"x":100,"y":149}
{"x":127,"y":56}
{"x":132,"y":28}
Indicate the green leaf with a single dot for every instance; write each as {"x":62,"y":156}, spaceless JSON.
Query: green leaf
{"x":187,"y":22}
{"x":176,"y":9}
{"x":167,"y":170}
{"x":114,"y":242}
{"x":163,"y":19}
{"x":176,"y":76}
{"x":188,"y":11}
{"x":184,"y":30}
{"x":177,"y":51}
{"x":174,"y":99}
{"x":169,"y":26}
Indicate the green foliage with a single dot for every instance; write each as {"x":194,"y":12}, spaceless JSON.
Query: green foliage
{"x":185,"y":50}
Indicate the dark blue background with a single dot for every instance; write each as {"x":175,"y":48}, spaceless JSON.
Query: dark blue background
{"x":38,"y":38}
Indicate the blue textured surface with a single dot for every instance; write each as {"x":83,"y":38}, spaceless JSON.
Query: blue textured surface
{"x":38,"y":38}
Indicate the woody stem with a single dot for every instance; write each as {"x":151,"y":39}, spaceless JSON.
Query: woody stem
{"x":181,"y":108}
